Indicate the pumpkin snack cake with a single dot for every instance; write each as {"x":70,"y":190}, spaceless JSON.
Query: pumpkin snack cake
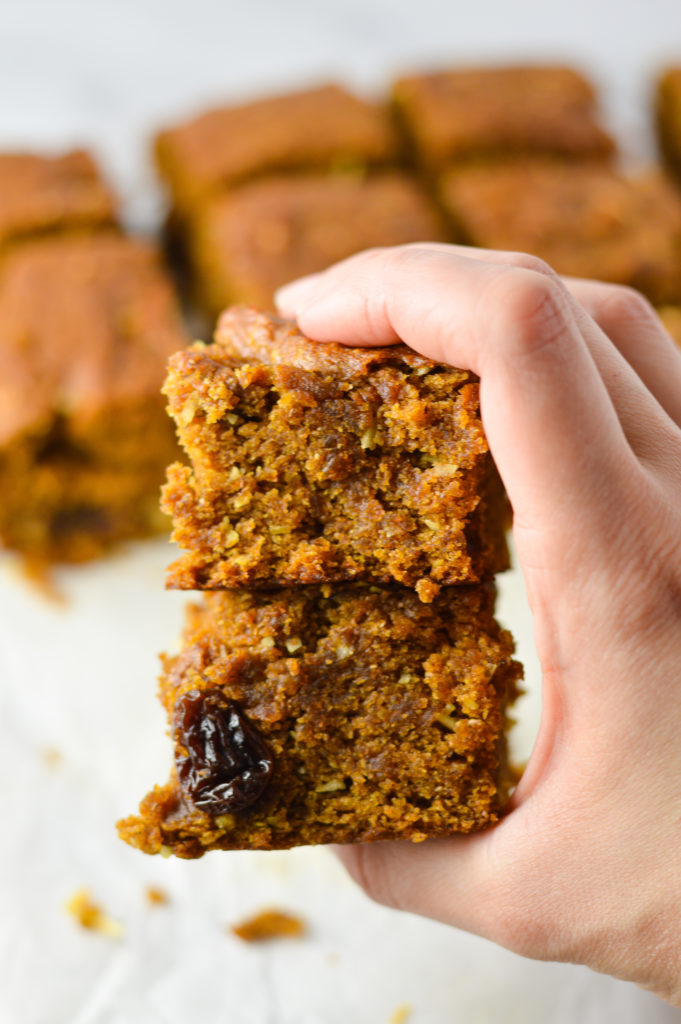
{"x":322,"y":129}
{"x":87,"y":323}
{"x":322,"y":463}
{"x":487,"y":113}
{"x":585,"y":220}
{"x":41,"y":195}
{"x":331,"y":714}
{"x":246,"y":243}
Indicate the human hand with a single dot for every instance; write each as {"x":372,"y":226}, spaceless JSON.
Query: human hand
{"x":581,"y":402}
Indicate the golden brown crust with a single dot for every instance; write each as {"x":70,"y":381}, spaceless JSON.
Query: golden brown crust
{"x":326,"y":463}
{"x":585,"y":220}
{"x":245,"y":336}
{"x":385,"y":716}
{"x":319,"y":128}
{"x":247,"y":243}
{"x":488,"y":111}
{"x":86,"y":326}
{"x":42,"y":194}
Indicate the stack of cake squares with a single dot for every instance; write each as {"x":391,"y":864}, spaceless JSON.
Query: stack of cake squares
{"x":343,"y":678}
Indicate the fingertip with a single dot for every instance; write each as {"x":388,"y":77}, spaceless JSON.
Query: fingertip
{"x":290,"y":298}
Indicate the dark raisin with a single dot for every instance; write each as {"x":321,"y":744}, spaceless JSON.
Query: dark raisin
{"x":227,"y":765}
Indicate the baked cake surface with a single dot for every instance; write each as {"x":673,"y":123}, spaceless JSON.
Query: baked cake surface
{"x":317,"y":463}
{"x":248,"y":242}
{"x":331,"y":714}
{"x":42,"y":194}
{"x":325,"y":128}
{"x":86,"y":326}
{"x":489,"y":112}
{"x":584,"y":220}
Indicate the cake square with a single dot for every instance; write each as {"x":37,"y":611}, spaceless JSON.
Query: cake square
{"x":319,"y":463}
{"x":585,"y":220}
{"x":86,"y":326}
{"x":324,"y":128}
{"x":248,"y":242}
{"x":488,"y":112}
{"x":43,"y":194}
{"x":332,"y":714}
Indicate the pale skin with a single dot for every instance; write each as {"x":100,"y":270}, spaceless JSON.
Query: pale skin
{"x":581,"y":402}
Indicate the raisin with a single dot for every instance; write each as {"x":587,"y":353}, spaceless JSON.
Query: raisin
{"x":227,"y":765}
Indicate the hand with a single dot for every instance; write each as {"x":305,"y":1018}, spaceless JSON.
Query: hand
{"x":581,"y":401}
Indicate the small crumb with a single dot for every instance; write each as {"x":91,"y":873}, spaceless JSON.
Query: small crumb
{"x":40,"y":576}
{"x":166,"y":851}
{"x":400,"y":1014}
{"x":270,"y":924}
{"x":52,"y":757}
{"x":89,"y":915}
{"x":156,"y":896}
{"x":427,"y":590}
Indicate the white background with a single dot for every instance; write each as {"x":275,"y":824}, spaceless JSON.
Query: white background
{"x":79,"y":679}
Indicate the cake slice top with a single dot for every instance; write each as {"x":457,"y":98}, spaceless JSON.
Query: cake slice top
{"x":86,"y":323}
{"x":488,"y":111}
{"x":246,"y":336}
{"x":586,"y":220}
{"x":323,"y":127}
{"x":39,"y":194}
{"x":252,"y":240}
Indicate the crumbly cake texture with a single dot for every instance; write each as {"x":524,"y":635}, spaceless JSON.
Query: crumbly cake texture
{"x":248,"y":242}
{"x":383,"y":717}
{"x":668,"y":115}
{"x":324,"y":128}
{"x":44,"y":194}
{"x":584,"y":220}
{"x":86,"y":326}
{"x":318,"y":463}
{"x":488,"y":112}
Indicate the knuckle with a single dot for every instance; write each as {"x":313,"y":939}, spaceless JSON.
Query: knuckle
{"x":526,"y":261}
{"x":621,"y":304}
{"x":533,"y":307}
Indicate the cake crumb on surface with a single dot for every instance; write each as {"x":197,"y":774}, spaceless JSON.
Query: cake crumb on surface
{"x":51,"y":757}
{"x":270,"y":924}
{"x":400,"y":1014}
{"x":156,"y":896}
{"x":90,"y":915}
